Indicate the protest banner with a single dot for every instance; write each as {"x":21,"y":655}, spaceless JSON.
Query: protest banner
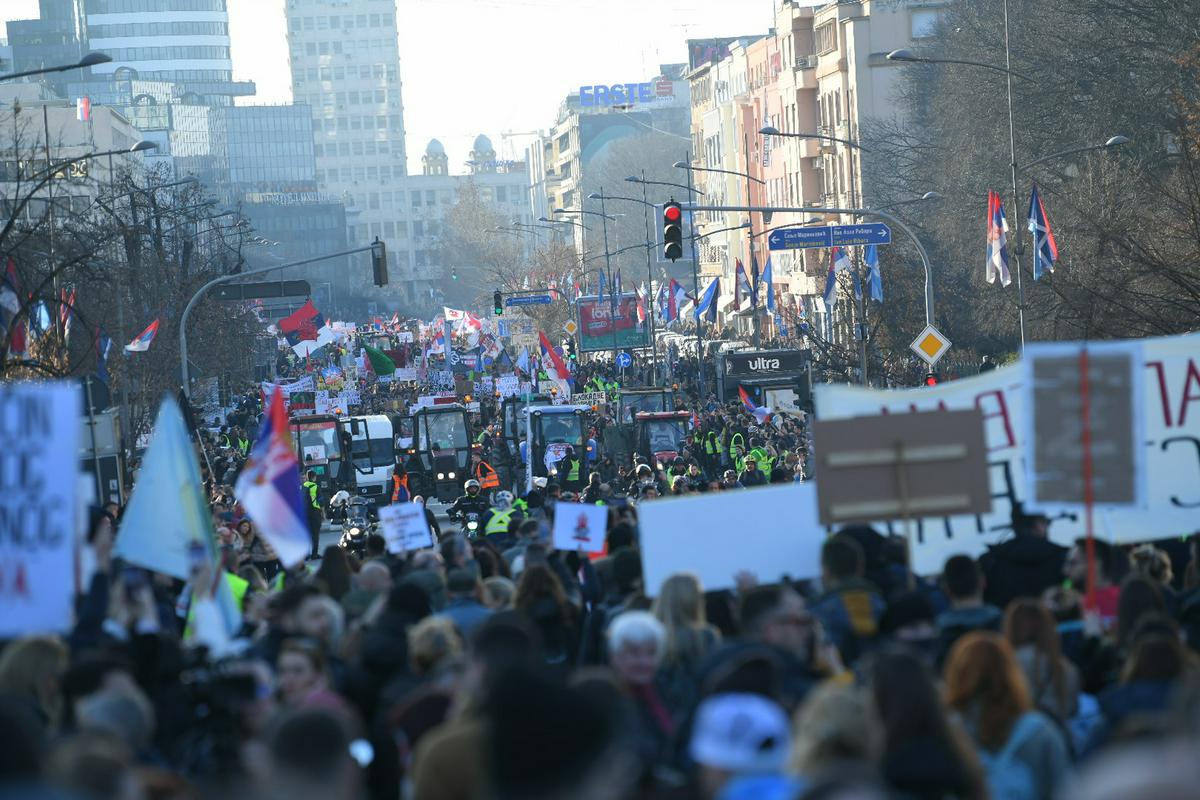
{"x":39,"y":442}
{"x":770,"y":532}
{"x":405,"y":527}
{"x":404,"y":374}
{"x":1171,"y":405}
{"x":441,"y":378}
{"x":589,"y":399}
{"x":404,"y":337}
{"x":508,"y":385}
{"x":579,"y":526}
{"x":324,"y":403}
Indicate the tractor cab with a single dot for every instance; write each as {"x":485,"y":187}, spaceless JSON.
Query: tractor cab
{"x":634,"y":401}
{"x":322,"y":445}
{"x":551,"y":430}
{"x":661,"y":434}
{"x":440,"y":455}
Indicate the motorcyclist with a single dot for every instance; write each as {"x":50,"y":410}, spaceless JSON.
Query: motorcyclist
{"x":473,"y":502}
{"x":497,"y":523}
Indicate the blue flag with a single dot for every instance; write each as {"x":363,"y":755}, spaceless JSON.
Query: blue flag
{"x":600,"y":294}
{"x":1045,"y":249}
{"x":874,"y":278}
{"x":768,"y":280}
{"x":707,"y":307}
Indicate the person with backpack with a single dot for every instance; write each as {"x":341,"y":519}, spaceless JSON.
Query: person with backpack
{"x":1023,"y":752}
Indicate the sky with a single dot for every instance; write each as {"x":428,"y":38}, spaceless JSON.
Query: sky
{"x":495,"y":66}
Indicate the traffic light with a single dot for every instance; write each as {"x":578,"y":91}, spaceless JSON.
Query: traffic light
{"x":379,"y":263}
{"x":672,"y":231}
{"x":454,"y":273}
{"x":931,"y":379}
{"x":498,"y":303}
{"x":569,"y":347}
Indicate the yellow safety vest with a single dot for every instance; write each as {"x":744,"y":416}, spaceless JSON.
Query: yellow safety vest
{"x":311,"y":487}
{"x":498,"y":522}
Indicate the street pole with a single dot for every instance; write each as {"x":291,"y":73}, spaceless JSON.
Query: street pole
{"x":187,"y":311}
{"x":122,"y":339}
{"x":56,"y":282}
{"x":865,"y":212}
{"x":855,"y":200}
{"x":757,"y":336}
{"x":1012,"y":149}
{"x":696,"y":286}
{"x":612,"y":300}
{"x":650,"y":286}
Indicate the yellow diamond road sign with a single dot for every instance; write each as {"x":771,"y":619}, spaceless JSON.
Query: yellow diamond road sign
{"x":930,"y":345}
{"x":570,"y":327}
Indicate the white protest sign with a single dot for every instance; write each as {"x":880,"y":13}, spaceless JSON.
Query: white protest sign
{"x":1171,"y":404}
{"x":404,"y":337}
{"x":441,"y":377}
{"x":769,"y":532}
{"x":405,"y":374}
{"x":405,"y":527}
{"x":39,"y":442}
{"x":589,"y":398}
{"x":324,"y":405}
{"x":508,"y":385}
{"x":580,"y":526}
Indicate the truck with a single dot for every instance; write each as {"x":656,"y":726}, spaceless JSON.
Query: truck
{"x":440,"y":455}
{"x":550,"y":430}
{"x":322,"y":444}
{"x":373,"y":456}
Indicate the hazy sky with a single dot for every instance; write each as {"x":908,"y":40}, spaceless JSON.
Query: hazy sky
{"x":490,"y":66}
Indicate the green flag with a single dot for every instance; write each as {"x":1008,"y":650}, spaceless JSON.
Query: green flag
{"x":380,"y":363}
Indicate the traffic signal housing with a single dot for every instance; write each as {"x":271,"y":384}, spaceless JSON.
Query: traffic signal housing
{"x":672,"y":231}
{"x":498,"y":303}
{"x":569,"y":347}
{"x":931,"y":379}
{"x":379,"y":264}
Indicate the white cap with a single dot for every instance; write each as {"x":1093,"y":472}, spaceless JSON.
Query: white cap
{"x":741,"y":733}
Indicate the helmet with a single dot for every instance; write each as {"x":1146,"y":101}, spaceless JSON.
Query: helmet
{"x":504,"y":500}
{"x":472,"y":484}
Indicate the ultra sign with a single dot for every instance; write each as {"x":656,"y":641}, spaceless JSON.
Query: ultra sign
{"x":765,"y":362}
{"x":830,"y":236}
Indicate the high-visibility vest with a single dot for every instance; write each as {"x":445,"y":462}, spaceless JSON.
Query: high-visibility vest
{"x":397,"y":482}
{"x":735,"y":441}
{"x":487,"y":477}
{"x":311,"y":488}
{"x":573,"y":469}
{"x":763,"y":459}
{"x":710,"y":443}
{"x":237,"y":585}
{"x":498,"y":522}
{"x":244,"y":446}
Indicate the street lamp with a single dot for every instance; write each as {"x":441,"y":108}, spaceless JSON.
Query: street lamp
{"x":564,"y":222}
{"x":692,"y":189}
{"x":89,"y":60}
{"x":1112,"y":141}
{"x":912,"y":58}
{"x":771,"y":130}
{"x":581,"y":211}
{"x":746,"y":175}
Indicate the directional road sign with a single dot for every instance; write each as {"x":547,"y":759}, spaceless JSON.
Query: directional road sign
{"x":930,"y":345}
{"x":528,"y":300}
{"x":830,"y":236}
{"x":253,"y":291}
{"x":624,"y":360}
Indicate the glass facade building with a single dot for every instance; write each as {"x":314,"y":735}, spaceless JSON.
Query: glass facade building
{"x":268,"y":148}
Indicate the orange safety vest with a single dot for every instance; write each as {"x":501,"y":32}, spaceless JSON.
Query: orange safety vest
{"x":397,"y":482}
{"x":487,"y":477}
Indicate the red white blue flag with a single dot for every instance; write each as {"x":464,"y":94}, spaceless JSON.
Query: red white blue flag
{"x":269,"y":487}
{"x":549,"y":354}
{"x":144,"y":339}
{"x":997,"y":242}
{"x":759,"y":412}
{"x":1045,"y":249}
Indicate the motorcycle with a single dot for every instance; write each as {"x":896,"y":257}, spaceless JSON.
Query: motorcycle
{"x":470,"y":524}
{"x":357,"y":526}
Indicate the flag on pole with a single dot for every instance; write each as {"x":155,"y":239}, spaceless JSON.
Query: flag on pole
{"x":551,"y":355}
{"x":874,"y":279}
{"x":754,"y":277}
{"x":453,"y":314}
{"x":1045,"y":249}
{"x":144,"y":339}
{"x":83,"y":109}
{"x":739,"y":280}
{"x":66,"y":311}
{"x":676,"y":297}
{"x":10,"y":308}
{"x":707,"y":307}
{"x":523,"y":361}
{"x":760,"y":413}
{"x":600,"y":293}
{"x":617,"y":285}
{"x":838,"y":262}
{"x":269,"y":487}
{"x":302,"y":325}
{"x":997,"y":242}
{"x":103,"y":348}
{"x":767,"y":279}
{"x":641,"y":303}
{"x":381,"y":364}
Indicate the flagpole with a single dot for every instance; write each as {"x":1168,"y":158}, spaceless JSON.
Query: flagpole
{"x":649,"y":284}
{"x":1012,"y":148}
{"x":696,"y":288}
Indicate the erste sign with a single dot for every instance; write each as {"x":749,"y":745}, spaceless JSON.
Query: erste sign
{"x":625,"y":93}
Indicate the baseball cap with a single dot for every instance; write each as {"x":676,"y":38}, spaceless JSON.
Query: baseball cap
{"x":742,"y":733}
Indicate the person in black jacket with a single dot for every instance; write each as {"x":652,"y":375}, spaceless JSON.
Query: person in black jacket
{"x":1025,"y":565}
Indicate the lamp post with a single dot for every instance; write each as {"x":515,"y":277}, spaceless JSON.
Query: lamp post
{"x":771,"y":130}
{"x":612,"y":293}
{"x":906,"y":55}
{"x":89,"y":60}
{"x":685,"y":187}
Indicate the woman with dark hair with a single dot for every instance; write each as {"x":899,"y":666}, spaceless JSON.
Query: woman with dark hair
{"x":1053,"y":680}
{"x":1103,"y":657}
{"x":540,"y":597}
{"x":335,"y":575}
{"x":256,"y":551}
{"x":1023,"y":751}
{"x":923,"y":756}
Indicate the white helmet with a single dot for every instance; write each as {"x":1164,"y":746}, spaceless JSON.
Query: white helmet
{"x":503,"y":500}
{"x":472,"y":484}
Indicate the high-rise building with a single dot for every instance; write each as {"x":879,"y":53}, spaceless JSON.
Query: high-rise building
{"x":346,"y":66}
{"x":185,"y":42}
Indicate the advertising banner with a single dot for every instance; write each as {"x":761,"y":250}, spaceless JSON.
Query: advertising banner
{"x":597,"y":324}
{"x":1170,"y":404}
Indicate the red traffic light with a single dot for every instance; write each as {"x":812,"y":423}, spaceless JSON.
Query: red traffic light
{"x":672,"y":213}
{"x":931,"y":379}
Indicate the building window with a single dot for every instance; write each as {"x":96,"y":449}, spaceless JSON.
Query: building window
{"x":825,"y":38}
{"x":924,"y":22}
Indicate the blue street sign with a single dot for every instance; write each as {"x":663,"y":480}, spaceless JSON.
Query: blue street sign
{"x":624,"y":360}
{"x":528,"y":300}
{"x":830,"y":236}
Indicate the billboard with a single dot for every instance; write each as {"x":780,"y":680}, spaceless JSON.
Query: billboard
{"x":597,"y":324}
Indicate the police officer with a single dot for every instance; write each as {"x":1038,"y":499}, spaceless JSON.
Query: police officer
{"x":313,"y":505}
{"x":470,"y":503}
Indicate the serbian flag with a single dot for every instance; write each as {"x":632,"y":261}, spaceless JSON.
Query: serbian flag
{"x":997,"y":242}
{"x":10,"y":308}
{"x":759,"y":412}
{"x":142,"y":343}
{"x":302,"y":324}
{"x":66,"y":311}
{"x":1045,"y":249}
{"x":103,"y":348}
{"x":740,"y":280}
{"x":676,"y":297}
{"x":269,"y":487}
{"x":551,"y":355}
{"x":641,"y":303}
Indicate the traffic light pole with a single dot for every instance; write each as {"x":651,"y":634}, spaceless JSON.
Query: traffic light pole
{"x":612,"y":289}
{"x":374,"y":248}
{"x":865,"y":212}
{"x":696,"y":289}
{"x":650,"y":284}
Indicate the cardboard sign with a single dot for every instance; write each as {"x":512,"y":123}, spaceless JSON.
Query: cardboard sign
{"x":580,"y":526}
{"x":405,"y":374}
{"x":1171,"y":444}
{"x":405,"y":527}
{"x":589,"y":399}
{"x":769,"y":531}
{"x":39,"y":439}
{"x":508,"y":386}
{"x":1054,"y":427}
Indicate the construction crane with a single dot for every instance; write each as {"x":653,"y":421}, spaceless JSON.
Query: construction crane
{"x":507,"y":145}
